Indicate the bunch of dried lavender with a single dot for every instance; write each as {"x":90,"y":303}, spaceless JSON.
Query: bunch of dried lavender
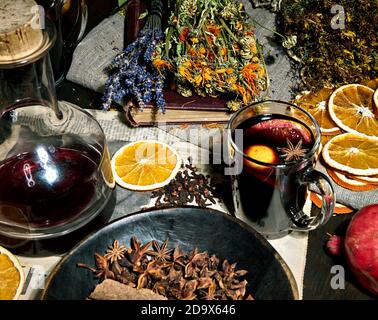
{"x":171,"y":272}
{"x":186,"y":187}
{"x":133,"y":77}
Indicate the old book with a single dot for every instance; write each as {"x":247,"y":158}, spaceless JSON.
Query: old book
{"x":181,"y":109}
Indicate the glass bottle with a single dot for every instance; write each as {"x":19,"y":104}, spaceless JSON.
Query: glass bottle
{"x":70,"y":18}
{"x":55,"y":173}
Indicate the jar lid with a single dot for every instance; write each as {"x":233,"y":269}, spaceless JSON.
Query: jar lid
{"x":22,"y":41}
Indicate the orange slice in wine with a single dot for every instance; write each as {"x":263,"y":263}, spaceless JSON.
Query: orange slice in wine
{"x":351,"y":107}
{"x":316,"y":103}
{"x":145,"y":165}
{"x":262,"y":153}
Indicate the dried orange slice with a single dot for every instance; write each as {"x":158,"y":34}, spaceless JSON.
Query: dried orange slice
{"x":373,"y":83}
{"x":370,"y":179}
{"x":339,"y":208}
{"x":325,"y":138}
{"x":348,"y":182}
{"x":145,"y":165}
{"x":316,"y":103}
{"x":375,"y":103}
{"x":12,"y":276}
{"x":351,"y":107}
{"x":106,"y":169}
{"x":356,"y":154}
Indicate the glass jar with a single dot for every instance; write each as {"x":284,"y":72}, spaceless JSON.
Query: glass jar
{"x":55,"y":173}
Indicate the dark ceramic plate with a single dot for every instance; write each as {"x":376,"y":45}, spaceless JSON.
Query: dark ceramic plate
{"x":269,"y":277}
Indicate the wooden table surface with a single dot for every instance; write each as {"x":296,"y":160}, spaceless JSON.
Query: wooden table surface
{"x":318,"y":275}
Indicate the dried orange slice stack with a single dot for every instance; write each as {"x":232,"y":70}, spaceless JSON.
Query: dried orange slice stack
{"x":351,"y":158}
{"x":348,"y":118}
{"x":145,"y":165}
{"x":351,"y":107}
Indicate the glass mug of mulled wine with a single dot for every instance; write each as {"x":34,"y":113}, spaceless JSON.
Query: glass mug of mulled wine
{"x":273,"y":147}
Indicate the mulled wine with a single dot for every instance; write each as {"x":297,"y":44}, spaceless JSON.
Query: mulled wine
{"x":275,"y":148}
{"x":46,"y":187}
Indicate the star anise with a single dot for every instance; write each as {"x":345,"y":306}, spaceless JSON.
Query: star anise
{"x":103,"y":271}
{"x":292,"y":152}
{"x":137,"y":252}
{"x":178,"y":256}
{"x":172,"y":273}
{"x":204,"y":283}
{"x":153,"y":271}
{"x":160,"y":252}
{"x":115,"y":252}
{"x":211,"y":294}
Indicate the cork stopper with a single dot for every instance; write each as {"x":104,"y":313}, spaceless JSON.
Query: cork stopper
{"x":20,"y":34}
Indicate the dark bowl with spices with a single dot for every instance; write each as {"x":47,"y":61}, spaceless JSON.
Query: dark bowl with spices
{"x":268,"y":276}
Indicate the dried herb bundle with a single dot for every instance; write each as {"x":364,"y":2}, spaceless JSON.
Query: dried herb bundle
{"x":211,"y":50}
{"x":132,"y":75}
{"x":171,"y":273}
{"x":186,"y":187}
{"x":329,"y":52}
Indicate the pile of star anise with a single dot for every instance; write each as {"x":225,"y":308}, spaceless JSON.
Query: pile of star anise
{"x":171,"y":272}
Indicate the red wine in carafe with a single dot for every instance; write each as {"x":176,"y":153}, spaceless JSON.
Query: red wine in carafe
{"x":47,"y":187}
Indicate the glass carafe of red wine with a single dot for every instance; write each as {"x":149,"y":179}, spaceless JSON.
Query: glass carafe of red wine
{"x":55,"y":172}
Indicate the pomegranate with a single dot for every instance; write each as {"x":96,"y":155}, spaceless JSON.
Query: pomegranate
{"x":360,"y":247}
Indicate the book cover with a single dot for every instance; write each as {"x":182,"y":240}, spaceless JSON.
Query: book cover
{"x":179,"y":109}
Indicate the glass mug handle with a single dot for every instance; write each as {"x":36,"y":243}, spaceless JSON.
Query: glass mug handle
{"x":304,"y":222}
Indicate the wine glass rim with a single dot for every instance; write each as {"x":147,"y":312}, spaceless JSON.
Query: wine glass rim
{"x":307,"y":156}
